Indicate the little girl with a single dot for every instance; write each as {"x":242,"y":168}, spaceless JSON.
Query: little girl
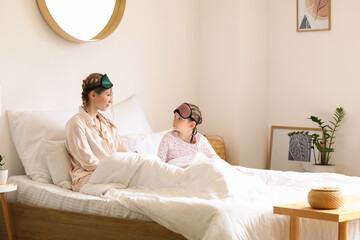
{"x":184,"y":140}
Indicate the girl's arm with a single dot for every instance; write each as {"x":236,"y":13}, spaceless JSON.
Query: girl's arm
{"x":207,"y":149}
{"x":163,"y":149}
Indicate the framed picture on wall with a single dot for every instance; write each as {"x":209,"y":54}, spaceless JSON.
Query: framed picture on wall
{"x":292,"y":153}
{"x":313,"y":15}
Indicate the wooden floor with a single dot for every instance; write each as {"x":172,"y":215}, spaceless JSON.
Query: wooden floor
{"x":35,"y":223}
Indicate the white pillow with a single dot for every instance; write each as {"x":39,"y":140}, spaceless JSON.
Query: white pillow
{"x":145,"y":143}
{"x":129,"y":117}
{"x":28,"y":128}
{"x":58,"y":162}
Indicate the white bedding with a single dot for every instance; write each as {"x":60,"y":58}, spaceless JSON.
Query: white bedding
{"x":205,"y":201}
{"x":48,"y":195}
{"x":214,"y":200}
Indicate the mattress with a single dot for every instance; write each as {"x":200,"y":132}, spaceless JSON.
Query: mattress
{"x":48,"y":195}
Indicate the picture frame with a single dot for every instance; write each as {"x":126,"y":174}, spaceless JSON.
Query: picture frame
{"x":313,"y":15}
{"x":291,"y":153}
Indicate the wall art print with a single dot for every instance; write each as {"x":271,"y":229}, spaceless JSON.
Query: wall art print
{"x":291,"y":153}
{"x":313,"y":15}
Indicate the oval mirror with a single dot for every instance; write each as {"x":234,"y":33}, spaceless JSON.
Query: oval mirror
{"x":82,"y":20}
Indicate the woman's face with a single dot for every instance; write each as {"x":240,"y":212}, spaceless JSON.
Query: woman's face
{"x":102,"y":101}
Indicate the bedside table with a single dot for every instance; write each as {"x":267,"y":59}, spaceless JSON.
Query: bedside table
{"x":4,"y":188}
{"x":349,"y":211}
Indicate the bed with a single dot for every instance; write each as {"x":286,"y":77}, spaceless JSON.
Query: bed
{"x":214,"y":200}
{"x":42,"y":211}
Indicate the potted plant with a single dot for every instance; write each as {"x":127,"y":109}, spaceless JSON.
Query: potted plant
{"x":325,"y":143}
{"x":3,"y":172}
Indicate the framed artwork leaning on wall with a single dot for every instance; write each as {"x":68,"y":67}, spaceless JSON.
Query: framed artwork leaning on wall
{"x":313,"y":15}
{"x":291,"y":153}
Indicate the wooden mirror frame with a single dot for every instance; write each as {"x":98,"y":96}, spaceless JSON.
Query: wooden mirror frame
{"x":106,"y":31}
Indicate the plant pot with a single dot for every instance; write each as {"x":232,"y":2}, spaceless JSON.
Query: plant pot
{"x":330,"y":168}
{"x":3,"y":176}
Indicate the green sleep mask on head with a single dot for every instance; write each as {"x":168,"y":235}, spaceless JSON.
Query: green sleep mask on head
{"x":105,"y":83}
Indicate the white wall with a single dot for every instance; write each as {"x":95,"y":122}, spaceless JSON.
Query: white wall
{"x":150,"y":54}
{"x":312,"y":73}
{"x":241,"y":61}
{"x":165,"y":51}
{"x":233,"y":70}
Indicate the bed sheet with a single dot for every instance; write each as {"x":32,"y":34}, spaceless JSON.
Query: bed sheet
{"x":48,"y":195}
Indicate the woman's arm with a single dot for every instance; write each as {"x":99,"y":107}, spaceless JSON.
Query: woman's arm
{"x":120,"y":144}
{"x":78,"y":146}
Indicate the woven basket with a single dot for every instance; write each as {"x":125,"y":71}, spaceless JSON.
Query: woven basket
{"x":326,"y":198}
{"x":218,"y":144}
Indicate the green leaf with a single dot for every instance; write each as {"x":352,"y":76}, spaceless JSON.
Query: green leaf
{"x":333,"y":122}
{"x":319,"y":146}
{"x":329,"y":150}
{"x":298,"y":133}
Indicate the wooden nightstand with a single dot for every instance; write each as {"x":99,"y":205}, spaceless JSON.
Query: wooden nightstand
{"x":5,"y":188}
{"x":349,"y":211}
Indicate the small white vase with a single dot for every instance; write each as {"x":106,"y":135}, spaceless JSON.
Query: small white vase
{"x":330,"y":168}
{"x":3,"y":176}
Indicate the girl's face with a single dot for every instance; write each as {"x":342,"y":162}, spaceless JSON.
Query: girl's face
{"x":180,"y":124}
{"x":102,"y":101}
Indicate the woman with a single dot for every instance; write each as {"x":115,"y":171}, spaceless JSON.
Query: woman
{"x":90,"y":137}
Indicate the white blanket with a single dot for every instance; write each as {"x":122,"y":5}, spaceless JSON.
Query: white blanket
{"x":187,"y":160}
{"x":214,"y":200}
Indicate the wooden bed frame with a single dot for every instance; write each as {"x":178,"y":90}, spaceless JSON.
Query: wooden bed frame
{"x":38,"y":223}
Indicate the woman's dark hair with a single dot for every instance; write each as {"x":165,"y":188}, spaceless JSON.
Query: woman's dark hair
{"x":91,"y":81}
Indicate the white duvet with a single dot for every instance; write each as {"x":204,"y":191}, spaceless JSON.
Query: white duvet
{"x":214,"y":200}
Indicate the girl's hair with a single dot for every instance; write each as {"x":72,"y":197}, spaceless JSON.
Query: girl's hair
{"x":90,"y":81}
{"x":195,"y":116}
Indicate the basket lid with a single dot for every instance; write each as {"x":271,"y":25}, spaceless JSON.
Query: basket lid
{"x":326,"y":189}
